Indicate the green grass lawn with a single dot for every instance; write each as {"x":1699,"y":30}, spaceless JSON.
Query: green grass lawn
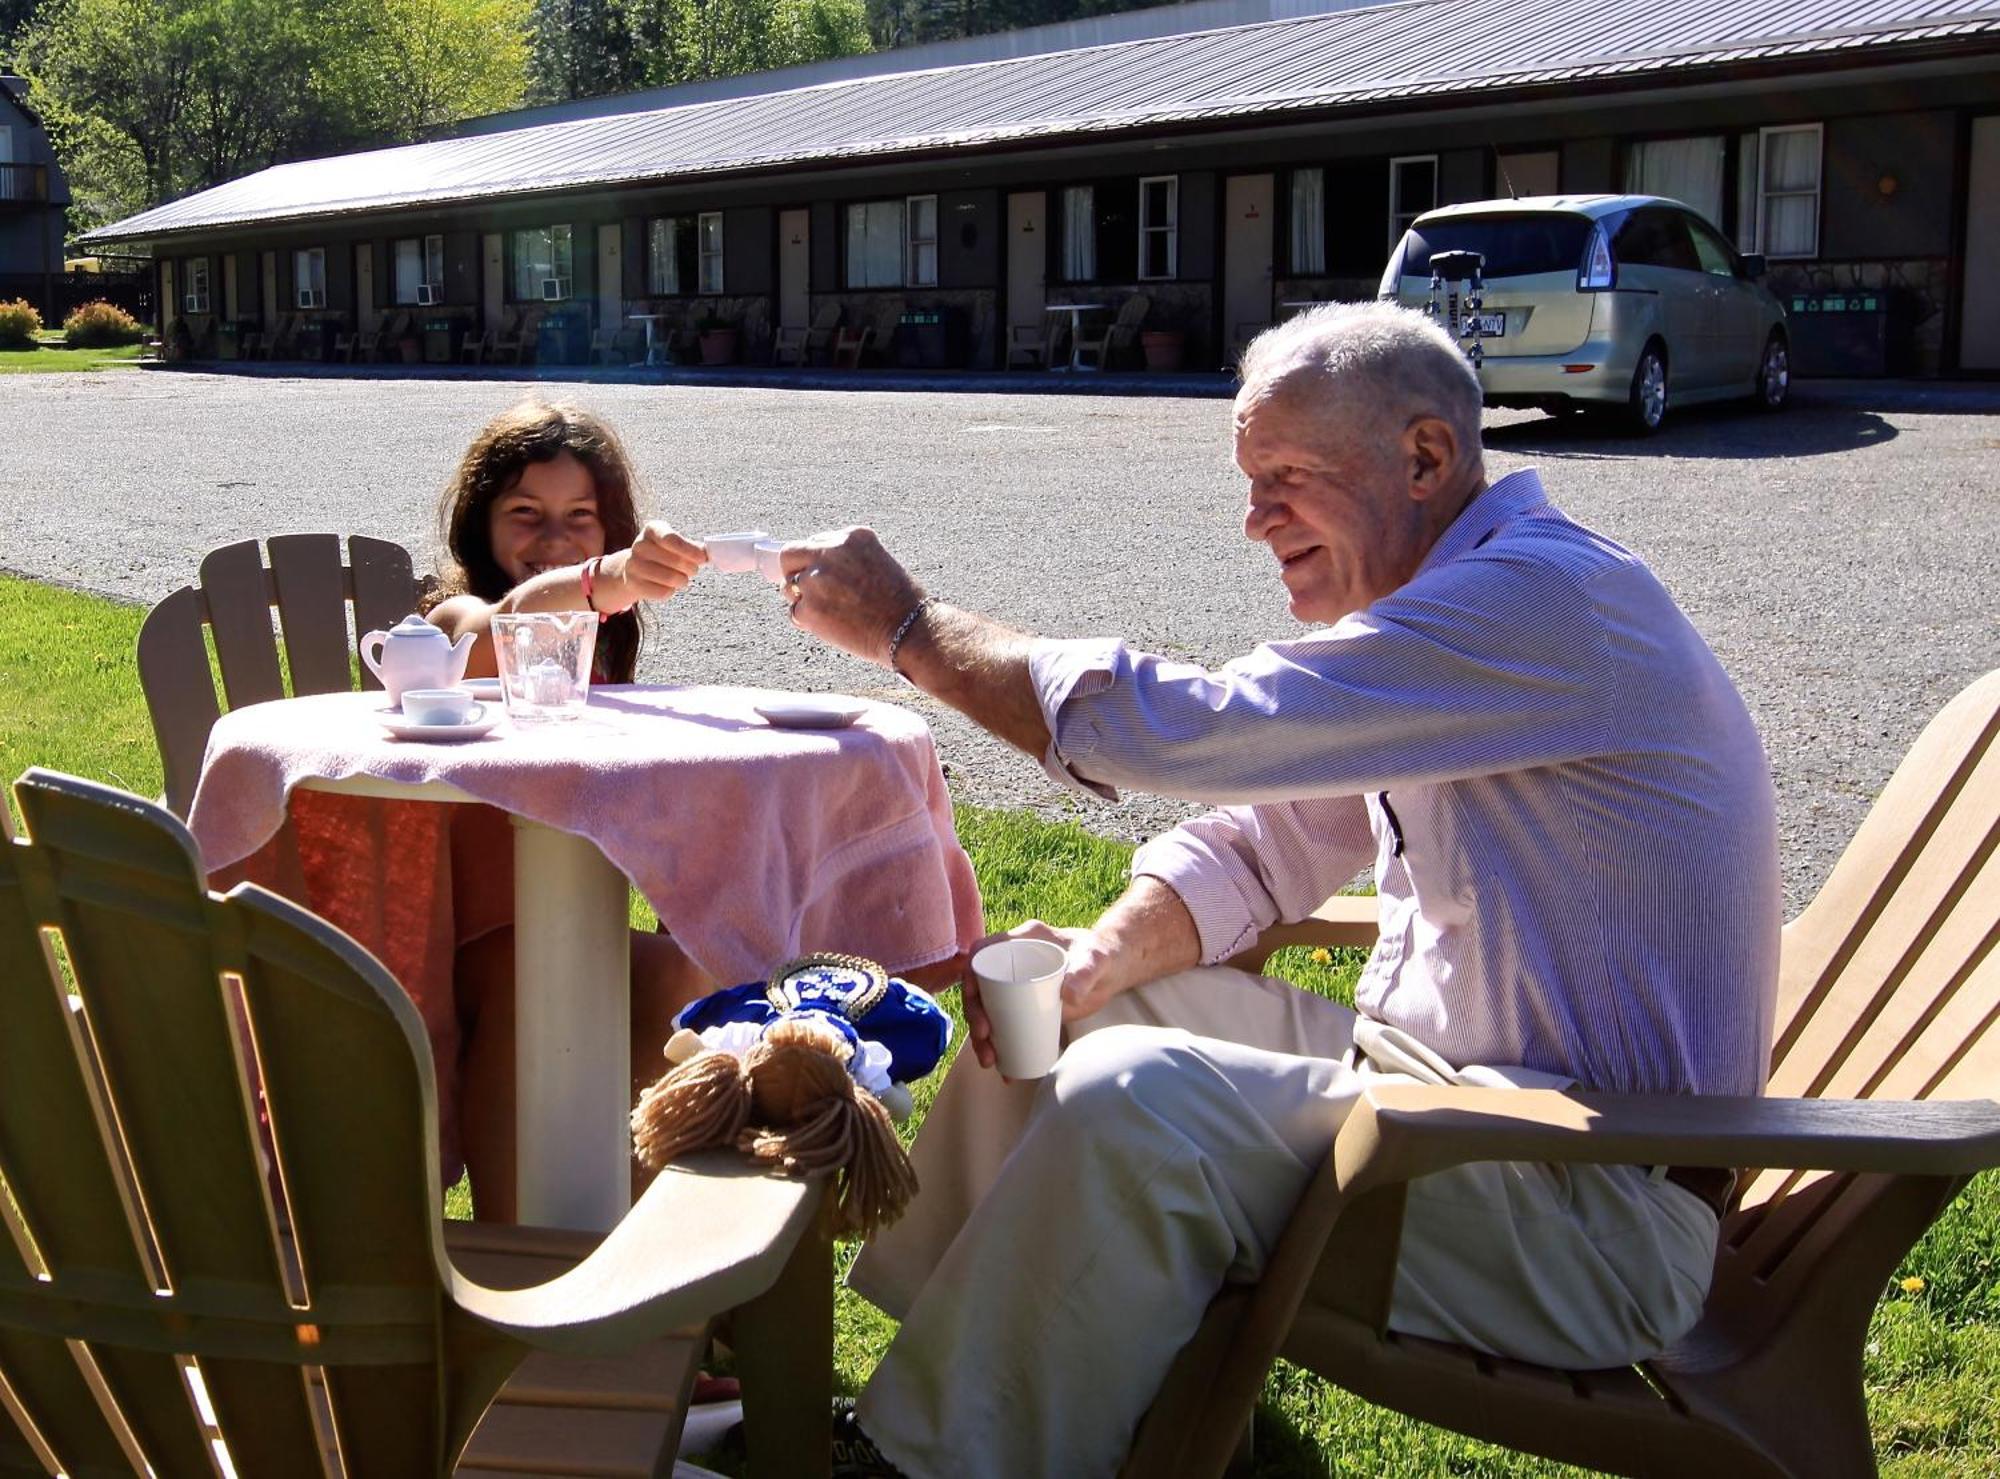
{"x":69,"y":700}
{"x":47,"y":359}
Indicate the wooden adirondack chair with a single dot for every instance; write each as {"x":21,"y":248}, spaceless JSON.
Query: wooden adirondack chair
{"x":218,"y":1173}
{"x":1028,"y":344}
{"x":310,"y":588}
{"x":1886,"y":1035}
{"x":797,"y":346}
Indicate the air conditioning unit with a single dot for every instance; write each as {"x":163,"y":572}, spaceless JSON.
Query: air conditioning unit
{"x":554,"y":289}
{"x":196,"y":302}
{"x":311,"y":298}
{"x":427,"y":295}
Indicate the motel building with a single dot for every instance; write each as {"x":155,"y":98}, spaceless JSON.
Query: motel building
{"x":1222,"y":161}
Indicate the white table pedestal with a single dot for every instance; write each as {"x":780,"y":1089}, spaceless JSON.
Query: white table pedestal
{"x":572,"y":1019}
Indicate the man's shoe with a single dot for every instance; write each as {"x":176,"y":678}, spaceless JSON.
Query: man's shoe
{"x":855,"y":1455}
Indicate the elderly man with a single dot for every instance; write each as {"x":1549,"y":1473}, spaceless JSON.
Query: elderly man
{"x":1571,"y":823}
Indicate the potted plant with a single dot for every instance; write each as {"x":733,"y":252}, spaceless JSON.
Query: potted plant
{"x":718,"y":340}
{"x":1162,"y":348}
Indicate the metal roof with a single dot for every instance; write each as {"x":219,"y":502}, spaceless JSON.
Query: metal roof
{"x":1415,"y":49}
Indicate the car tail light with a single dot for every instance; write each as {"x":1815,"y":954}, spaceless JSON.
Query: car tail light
{"x":1392,"y":276}
{"x":1598,"y":271}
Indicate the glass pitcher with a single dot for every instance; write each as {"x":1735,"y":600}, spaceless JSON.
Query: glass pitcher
{"x":544,"y":659}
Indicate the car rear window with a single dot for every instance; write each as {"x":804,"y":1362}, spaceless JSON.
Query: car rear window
{"x":1513,"y":246}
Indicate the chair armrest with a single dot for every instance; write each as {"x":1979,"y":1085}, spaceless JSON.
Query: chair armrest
{"x":711,"y":1233}
{"x":1343,"y":920}
{"x":1397,"y":1132}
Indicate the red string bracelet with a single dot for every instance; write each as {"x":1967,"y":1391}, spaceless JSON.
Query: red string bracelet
{"x":588,"y":573}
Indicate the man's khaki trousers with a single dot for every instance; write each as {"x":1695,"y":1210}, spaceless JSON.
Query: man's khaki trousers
{"x":1069,"y":1233}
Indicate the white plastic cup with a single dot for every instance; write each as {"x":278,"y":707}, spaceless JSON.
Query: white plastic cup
{"x":768,"y":553}
{"x":734,"y":554}
{"x":1020,"y":983}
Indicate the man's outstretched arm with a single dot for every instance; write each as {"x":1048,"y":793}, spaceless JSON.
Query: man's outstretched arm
{"x":850,"y":592}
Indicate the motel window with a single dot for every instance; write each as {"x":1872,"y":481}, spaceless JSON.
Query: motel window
{"x":1689,"y":170}
{"x":309,"y":273}
{"x":875,"y":245}
{"x":1101,"y":230}
{"x":543,"y":264}
{"x":920,"y":246}
{"x":196,"y":300}
{"x":1413,"y":189}
{"x":892,"y":243}
{"x":708,"y":235}
{"x":1778,"y":184}
{"x":1079,"y":238}
{"x":1159,"y":226}
{"x":420,"y":270}
{"x":670,"y":256}
{"x":1309,"y":222}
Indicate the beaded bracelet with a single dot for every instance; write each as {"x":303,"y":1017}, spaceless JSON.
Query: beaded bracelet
{"x":903,"y":628}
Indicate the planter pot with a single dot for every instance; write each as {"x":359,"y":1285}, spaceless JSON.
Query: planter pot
{"x":1163,"y":348}
{"x":718,"y":346}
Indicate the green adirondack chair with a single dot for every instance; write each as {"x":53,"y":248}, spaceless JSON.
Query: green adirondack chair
{"x":219,"y":1191}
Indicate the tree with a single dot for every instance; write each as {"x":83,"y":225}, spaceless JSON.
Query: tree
{"x":424,"y":63}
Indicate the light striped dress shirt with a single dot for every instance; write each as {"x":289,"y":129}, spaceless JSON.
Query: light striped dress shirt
{"x":1568,"y":808}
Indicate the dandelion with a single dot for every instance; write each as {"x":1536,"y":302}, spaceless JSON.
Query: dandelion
{"x":1321,"y":956}
{"x":1913,"y":1285}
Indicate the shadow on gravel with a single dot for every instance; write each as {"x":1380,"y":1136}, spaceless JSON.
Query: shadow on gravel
{"x":1701,"y":431}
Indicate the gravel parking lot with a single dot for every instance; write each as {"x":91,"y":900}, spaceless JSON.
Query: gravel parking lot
{"x":1840,"y":557}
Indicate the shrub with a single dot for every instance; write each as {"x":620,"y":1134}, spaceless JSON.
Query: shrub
{"x":101,"y":325}
{"x":19,"y":323}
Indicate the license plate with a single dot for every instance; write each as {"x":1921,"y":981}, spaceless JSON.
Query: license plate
{"x":1491,"y":325}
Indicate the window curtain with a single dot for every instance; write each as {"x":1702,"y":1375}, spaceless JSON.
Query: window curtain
{"x":875,"y":244}
{"x":1791,"y":193}
{"x":709,"y":227}
{"x":531,"y":264}
{"x":921,"y":271}
{"x":1687,"y":170}
{"x":663,"y":266}
{"x":409,"y":270}
{"x":1746,"y":193}
{"x":1309,"y":222}
{"x":1079,"y":248}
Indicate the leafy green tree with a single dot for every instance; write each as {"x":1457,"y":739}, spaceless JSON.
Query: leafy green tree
{"x":419,"y":64}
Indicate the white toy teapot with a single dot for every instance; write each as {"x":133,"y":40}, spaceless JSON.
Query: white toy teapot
{"x":415,"y":654}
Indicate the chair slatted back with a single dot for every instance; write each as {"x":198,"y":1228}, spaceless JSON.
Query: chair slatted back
{"x":1889,"y":988}
{"x":197,"y":1178}
{"x":311,"y":591}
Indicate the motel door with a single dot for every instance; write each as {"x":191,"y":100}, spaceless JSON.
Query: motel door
{"x":1027,"y":257}
{"x":364,"y":283}
{"x":268,"y":304}
{"x":229,"y":303}
{"x":1246,"y":257}
{"x":1979,"y":315}
{"x":794,"y":269}
{"x":493,"y":282}
{"x":611,"y":277}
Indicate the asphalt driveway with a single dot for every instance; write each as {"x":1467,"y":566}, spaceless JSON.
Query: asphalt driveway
{"x":1839,"y":557}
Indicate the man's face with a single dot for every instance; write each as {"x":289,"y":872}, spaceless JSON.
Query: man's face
{"x":1338,"y":515}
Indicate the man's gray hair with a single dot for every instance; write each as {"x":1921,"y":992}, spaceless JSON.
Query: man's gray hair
{"x":1386,"y":362}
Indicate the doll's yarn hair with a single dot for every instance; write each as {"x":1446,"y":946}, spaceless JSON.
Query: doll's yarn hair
{"x":791,"y":1103}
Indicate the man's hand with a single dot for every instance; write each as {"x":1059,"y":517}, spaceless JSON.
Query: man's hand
{"x":659,"y":564}
{"x":848,"y":591}
{"x":1091,"y":977}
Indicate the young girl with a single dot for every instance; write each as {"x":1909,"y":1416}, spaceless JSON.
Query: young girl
{"x":541,"y":516}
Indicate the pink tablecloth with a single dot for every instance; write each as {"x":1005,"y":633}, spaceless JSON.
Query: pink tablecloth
{"x":753,"y":844}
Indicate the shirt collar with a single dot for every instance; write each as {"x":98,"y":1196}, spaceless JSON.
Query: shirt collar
{"x":1494,"y":505}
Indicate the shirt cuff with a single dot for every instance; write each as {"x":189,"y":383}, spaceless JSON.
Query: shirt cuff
{"x":1217,"y":886}
{"x":1060,"y":671}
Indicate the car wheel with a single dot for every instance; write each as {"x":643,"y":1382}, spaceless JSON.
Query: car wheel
{"x":1646,"y":406}
{"x":1774,"y":374}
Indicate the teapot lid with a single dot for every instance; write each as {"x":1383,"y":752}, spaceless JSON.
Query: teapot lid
{"x":416,"y":626}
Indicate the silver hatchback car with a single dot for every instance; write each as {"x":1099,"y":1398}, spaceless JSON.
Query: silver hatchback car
{"x":1624,"y":301}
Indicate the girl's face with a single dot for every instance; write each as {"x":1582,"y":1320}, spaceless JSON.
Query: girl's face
{"x":547,"y":520}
